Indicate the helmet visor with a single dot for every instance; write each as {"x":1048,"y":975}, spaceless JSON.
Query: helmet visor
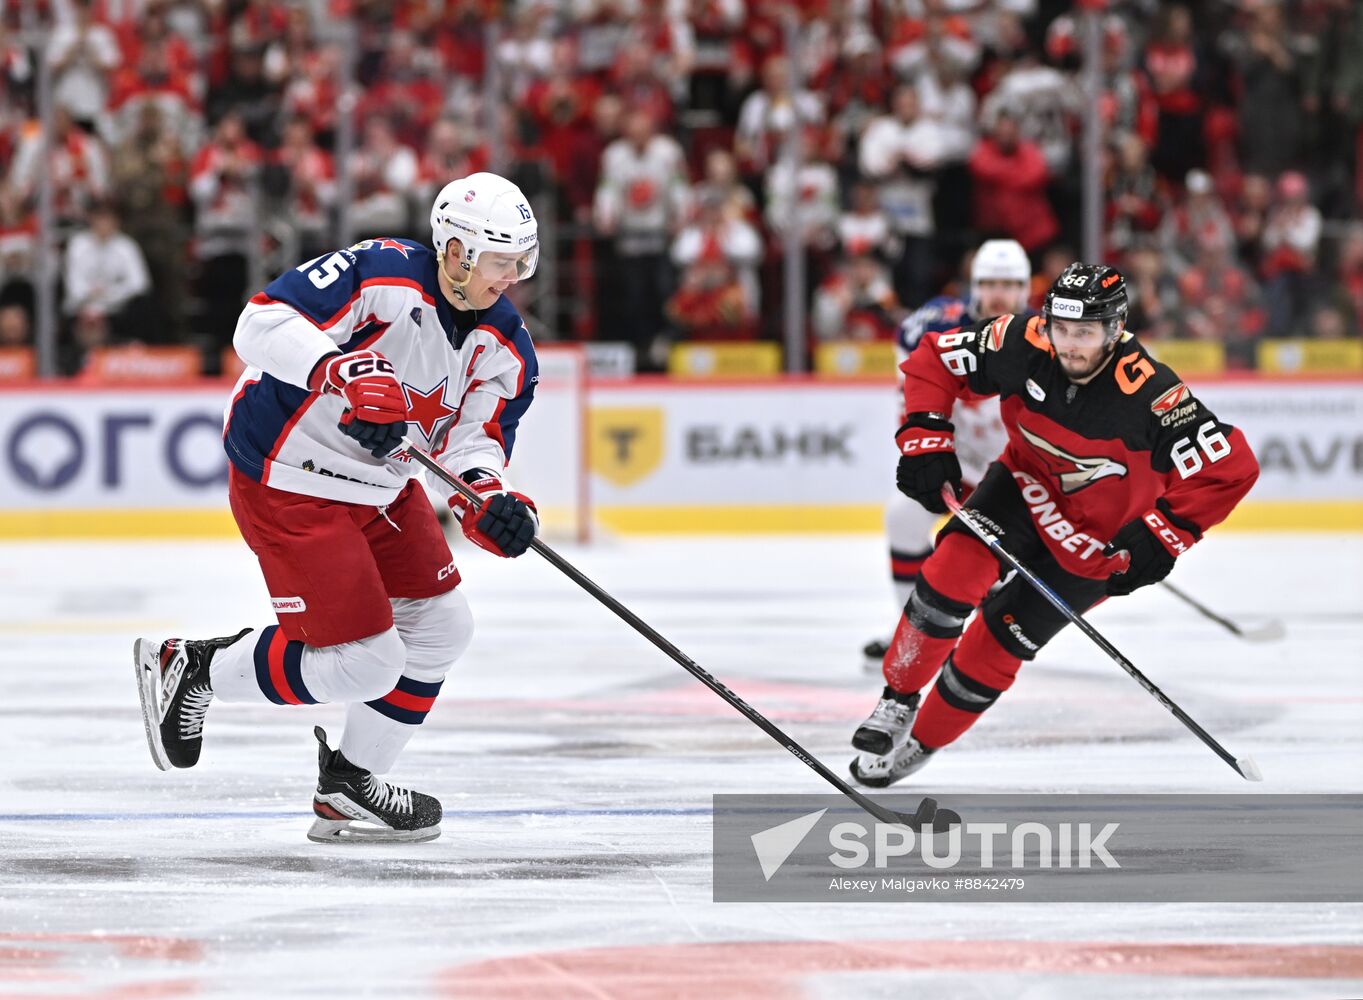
{"x":494,"y":265}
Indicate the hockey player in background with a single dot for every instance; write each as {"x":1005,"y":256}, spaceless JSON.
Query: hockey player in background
{"x":1000,"y":277}
{"x":348,"y":353}
{"x":1112,"y":470}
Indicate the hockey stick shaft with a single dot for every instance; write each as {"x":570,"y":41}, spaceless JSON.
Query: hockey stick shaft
{"x":926,"y":808}
{"x":1269,"y":631}
{"x":1245,"y":767}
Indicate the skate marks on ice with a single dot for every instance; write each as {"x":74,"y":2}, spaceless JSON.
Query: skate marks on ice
{"x":576,"y":765}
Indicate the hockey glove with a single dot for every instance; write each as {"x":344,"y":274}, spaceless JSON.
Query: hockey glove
{"x":503,"y":522}
{"x":927,"y":460}
{"x":1152,"y":544}
{"x":376,"y":409}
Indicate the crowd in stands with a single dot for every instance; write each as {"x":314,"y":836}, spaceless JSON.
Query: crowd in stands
{"x":679,"y":147}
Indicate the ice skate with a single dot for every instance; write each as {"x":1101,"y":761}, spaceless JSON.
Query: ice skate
{"x":873,"y":654}
{"x":887,"y":728}
{"x":879,"y":772}
{"x":174,"y":687}
{"x":354,"y":805}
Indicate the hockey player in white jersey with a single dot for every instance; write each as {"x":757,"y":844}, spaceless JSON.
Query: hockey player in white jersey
{"x":1000,"y":277}
{"x":348,"y":353}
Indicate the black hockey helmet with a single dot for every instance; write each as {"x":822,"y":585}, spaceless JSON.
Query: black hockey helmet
{"x":1088,"y":291}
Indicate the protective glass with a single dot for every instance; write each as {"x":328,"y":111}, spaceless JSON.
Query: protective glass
{"x":494,"y":265}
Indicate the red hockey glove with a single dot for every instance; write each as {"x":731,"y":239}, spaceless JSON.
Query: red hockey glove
{"x":503,"y":522}
{"x":927,"y":460}
{"x":376,"y":409}
{"x":1152,"y":543}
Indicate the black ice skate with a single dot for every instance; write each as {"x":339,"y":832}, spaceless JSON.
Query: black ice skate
{"x":173,"y":684}
{"x":353,"y":804}
{"x":887,"y":728}
{"x":874,"y":655}
{"x":879,"y":772}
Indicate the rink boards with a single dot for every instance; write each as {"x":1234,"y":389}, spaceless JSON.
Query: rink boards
{"x":652,"y":455}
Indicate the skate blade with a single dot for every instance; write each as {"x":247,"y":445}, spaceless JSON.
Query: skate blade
{"x":147,"y":667}
{"x":878,"y":778}
{"x":333,"y":831}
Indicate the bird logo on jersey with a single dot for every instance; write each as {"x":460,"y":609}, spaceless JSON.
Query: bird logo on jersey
{"x":427,"y":409}
{"x":1073,"y":472}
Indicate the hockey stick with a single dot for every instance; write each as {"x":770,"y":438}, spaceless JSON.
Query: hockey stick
{"x":1270,"y":631}
{"x":1244,"y":766}
{"x":927,"y":809}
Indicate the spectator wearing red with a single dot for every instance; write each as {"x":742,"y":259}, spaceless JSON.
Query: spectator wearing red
{"x":1010,"y":178}
{"x":76,"y":164}
{"x":314,"y":95}
{"x":1291,"y":240}
{"x":668,"y":44}
{"x":639,"y":79}
{"x":859,"y":85}
{"x":311,"y":191}
{"x":161,"y":70}
{"x":717,"y":229}
{"x":710,"y":303}
{"x":1349,"y":274}
{"x":1132,"y":211}
{"x":856,"y":302}
{"x":559,"y":109}
{"x":1172,"y":64}
{"x":914,"y":40}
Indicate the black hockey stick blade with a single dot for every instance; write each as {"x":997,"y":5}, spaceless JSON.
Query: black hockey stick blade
{"x":927,"y":809}
{"x":1243,"y":766}
{"x":1269,"y":631}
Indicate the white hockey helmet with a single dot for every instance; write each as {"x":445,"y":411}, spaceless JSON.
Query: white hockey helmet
{"x":1000,"y":260}
{"x":487,"y":214}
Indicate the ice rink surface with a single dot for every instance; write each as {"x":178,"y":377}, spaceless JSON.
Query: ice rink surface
{"x":576,"y":764}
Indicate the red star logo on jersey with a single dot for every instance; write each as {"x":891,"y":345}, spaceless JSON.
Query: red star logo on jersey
{"x":387,"y":244}
{"x":427,"y":409}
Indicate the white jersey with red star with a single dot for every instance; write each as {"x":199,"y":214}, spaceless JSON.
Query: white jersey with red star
{"x":468,"y":376}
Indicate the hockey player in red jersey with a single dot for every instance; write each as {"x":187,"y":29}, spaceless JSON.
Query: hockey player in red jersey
{"x":1112,"y":469}
{"x":348,"y":353}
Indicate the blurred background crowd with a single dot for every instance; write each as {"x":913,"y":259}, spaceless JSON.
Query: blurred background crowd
{"x":173,"y":155}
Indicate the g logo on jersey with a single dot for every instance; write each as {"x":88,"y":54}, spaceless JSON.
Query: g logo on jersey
{"x":1073,"y":472}
{"x":427,"y":409}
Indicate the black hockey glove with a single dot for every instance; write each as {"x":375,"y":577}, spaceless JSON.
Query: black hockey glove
{"x":927,"y":462}
{"x":1152,"y":544}
{"x":503,"y":522}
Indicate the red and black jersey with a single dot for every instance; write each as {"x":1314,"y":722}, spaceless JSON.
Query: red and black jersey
{"x":1088,"y":458}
